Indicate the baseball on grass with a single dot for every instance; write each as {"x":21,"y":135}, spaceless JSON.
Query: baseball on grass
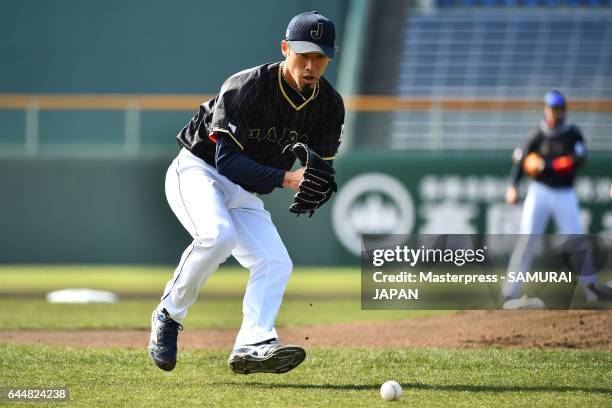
{"x":391,"y":391}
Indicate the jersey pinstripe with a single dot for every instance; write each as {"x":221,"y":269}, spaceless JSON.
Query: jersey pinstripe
{"x":262,"y":115}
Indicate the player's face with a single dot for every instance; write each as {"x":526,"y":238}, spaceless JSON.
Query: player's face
{"x":554,"y":115}
{"x":303,"y":70}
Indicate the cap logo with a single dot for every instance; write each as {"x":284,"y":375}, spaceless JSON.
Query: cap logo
{"x":318,"y":33}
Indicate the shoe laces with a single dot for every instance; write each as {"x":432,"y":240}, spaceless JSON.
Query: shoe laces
{"x":169,"y":328}
{"x":172,"y":327}
{"x":265,"y":347}
{"x":259,"y":349}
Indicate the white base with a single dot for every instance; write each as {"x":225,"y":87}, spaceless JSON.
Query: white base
{"x":81,"y":295}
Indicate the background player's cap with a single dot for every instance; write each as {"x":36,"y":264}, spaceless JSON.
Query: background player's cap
{"x":311,"y":32}
{"x":554,"y":98}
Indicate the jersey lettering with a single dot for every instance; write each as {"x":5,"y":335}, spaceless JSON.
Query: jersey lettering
{"x":254,"y":134}
{"x":271,"y":134}
{"x":255,"y":108}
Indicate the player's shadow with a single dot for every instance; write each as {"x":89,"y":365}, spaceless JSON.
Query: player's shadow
{"x":429,"y":387}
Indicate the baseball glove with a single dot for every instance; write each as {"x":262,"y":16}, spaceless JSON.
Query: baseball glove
{"x":318,"y":184}
{"x":563,"y":164}
{"x":533,"y":164}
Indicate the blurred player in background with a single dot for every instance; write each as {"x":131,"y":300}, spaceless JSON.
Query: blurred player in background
{"x":233,"y":150}
{"x":552,"y":156}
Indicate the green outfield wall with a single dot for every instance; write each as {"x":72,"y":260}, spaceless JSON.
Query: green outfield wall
{"x":142,"y":46}
{"x":114,"y":211}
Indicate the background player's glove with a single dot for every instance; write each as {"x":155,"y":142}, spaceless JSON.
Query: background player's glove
{"x":318,"y":184}
{"x":563,"y":164}
{"x":533,"y":164}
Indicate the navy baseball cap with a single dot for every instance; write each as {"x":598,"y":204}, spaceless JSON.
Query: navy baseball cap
{"x":554,"y":98}
{"x":311,"y":32}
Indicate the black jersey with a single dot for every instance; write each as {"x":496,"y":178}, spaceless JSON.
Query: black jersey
{"x":262,"y":115}
{"x":563,"y":140}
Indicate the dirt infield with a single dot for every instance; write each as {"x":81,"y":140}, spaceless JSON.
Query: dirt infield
{"x":540,"y":329}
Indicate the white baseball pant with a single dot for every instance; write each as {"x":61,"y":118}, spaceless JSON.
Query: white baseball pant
{"x":541,"y":203}
{"x":224,"y":219}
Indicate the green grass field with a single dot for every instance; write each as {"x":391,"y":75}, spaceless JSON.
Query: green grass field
{"x":151,"y":280}
{"x":215,"y":313}
{"x":330,"y":377}
{"x":314,"y":296}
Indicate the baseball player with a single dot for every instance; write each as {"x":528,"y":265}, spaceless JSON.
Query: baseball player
{"x":240,"y":145}
{"x":552,"y":155}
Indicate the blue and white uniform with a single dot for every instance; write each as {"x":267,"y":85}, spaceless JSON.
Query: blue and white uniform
{"x":232,"y":151}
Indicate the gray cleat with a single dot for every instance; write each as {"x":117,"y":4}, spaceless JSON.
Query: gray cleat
{"x":266,"y":357}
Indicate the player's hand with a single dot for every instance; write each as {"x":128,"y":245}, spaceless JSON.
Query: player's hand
{"x":293,"y":179}
{"x":511,"y":195}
